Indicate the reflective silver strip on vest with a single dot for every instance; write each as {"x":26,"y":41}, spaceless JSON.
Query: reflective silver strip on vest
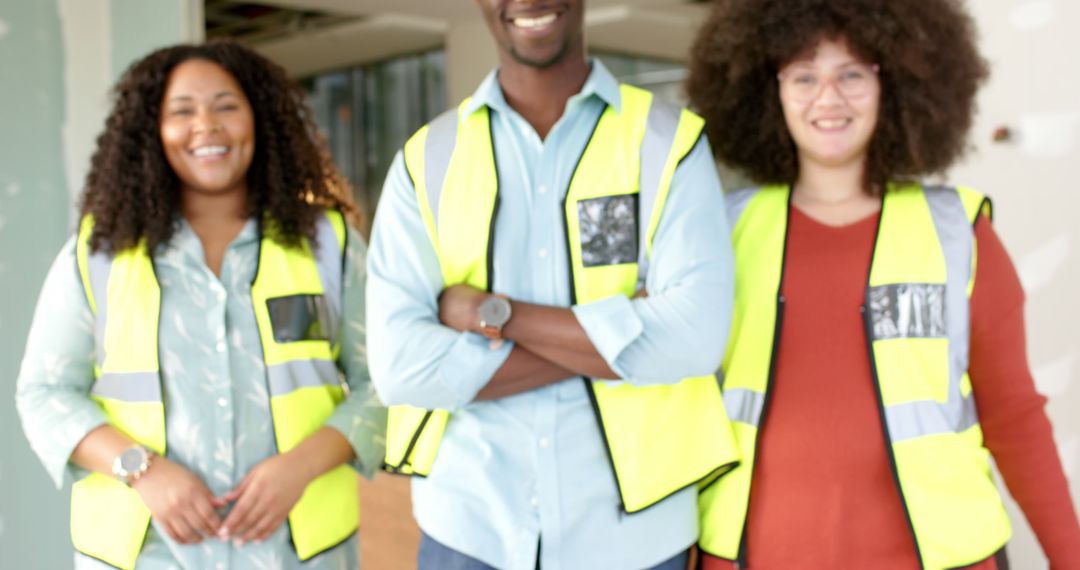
{"x":744,"y":406}
{"x":661,"y":127}
{"x":122,"y":386}
{"x":290,"y":376}
{"x":920,"y":419}
{"x":128,"y":386}
{"x":736,"y":202}
{"x":328,"y":262}
{"x":957,"y":413}
{"x":99,"y":266}
{"x":438,"y":150}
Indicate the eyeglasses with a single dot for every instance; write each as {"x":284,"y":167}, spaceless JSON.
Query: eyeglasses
{"x":805,"y":85}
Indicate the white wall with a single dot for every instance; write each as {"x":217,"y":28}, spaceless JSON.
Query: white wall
{"x":470,"y":55}
{"x":1035,"y":92}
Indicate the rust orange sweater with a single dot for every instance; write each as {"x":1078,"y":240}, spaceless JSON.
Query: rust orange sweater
{"x":823,"y":496}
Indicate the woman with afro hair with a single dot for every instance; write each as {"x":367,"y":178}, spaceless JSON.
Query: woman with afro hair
{"x":877,"y":357}
{"x":196,"y":362}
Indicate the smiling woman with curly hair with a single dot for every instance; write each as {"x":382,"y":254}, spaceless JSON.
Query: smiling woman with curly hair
{"x":929,"y":71}
{"x":183,"y":363}
{"x":877,"y":356}
{"x":134,"y":191}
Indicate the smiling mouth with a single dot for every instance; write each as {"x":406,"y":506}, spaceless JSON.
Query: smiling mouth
{"x":831,"y":124}
{"x":533,"y":23}
{"x":208,"y":151}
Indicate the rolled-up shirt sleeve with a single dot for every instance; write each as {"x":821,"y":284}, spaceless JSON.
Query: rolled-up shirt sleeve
{"x":361,"y":417}
{"x":679,"y":330}
{"x":52,"y":393}
{"x":414,"y":359}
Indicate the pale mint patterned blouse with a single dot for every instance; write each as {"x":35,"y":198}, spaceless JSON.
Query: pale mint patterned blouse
{"x":218,"y":421}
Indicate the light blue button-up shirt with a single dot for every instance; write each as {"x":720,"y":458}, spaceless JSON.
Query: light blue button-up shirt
{"x":530,"y":471}
{"x":218,"y":423}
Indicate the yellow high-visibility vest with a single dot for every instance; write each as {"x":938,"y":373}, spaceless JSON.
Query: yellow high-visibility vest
{"x":916,"y":315}
{"x":296,"y":296}
{"x":660,"y":439}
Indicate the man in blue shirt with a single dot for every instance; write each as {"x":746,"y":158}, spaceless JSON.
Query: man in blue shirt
{"x":523,"y":477}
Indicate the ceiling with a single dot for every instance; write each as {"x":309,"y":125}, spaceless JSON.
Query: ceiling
{"x":261,"y":22}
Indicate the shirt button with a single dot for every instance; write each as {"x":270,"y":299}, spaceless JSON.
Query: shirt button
{"x":223,"y":402}
{"x":220,"y":346}
{"x":545,"y":442}
{"x":220,"y":566}
{"x":535,"y":501}
{"x":542,"y":189}
{"x":543,"y":252}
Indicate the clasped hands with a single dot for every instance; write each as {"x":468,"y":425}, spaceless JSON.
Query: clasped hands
{"x":189,"y":513}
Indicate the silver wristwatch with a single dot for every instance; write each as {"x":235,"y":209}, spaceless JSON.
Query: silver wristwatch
{"x":131,"y":464}
{"x":494,"y":313}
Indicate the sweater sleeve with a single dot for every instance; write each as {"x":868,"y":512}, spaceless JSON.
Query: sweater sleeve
{"x":1015,"y":426}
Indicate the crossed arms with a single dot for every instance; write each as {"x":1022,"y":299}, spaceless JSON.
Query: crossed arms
{"x":425,"y":353}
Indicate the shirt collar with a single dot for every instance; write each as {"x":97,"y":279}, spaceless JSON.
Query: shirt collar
{"x":185,"y":242}
{"x":600,"y":83}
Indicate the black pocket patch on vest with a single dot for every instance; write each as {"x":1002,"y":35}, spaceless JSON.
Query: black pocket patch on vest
{"x":299,"y":317}
{"x":609,"y":230}
{"x":908,"y":310}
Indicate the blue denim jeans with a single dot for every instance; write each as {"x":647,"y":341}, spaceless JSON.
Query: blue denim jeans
{"x":437,"y":556}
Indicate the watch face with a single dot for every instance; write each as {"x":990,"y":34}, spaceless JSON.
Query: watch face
{"x":132,"y":460}
{"x":495,"y":311}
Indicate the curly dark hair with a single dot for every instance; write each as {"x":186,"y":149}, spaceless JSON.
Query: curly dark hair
{"x":930,"y":71}
{"x":133,"y":193}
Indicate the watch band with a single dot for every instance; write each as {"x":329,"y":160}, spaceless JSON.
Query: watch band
{"x":141,"y":472}
{"x":491,"y":332}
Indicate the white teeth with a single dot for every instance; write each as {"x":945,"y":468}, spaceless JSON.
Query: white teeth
{"x":533,"y":23}
{"x":831,"y":124}
{"x":210,"y":151}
